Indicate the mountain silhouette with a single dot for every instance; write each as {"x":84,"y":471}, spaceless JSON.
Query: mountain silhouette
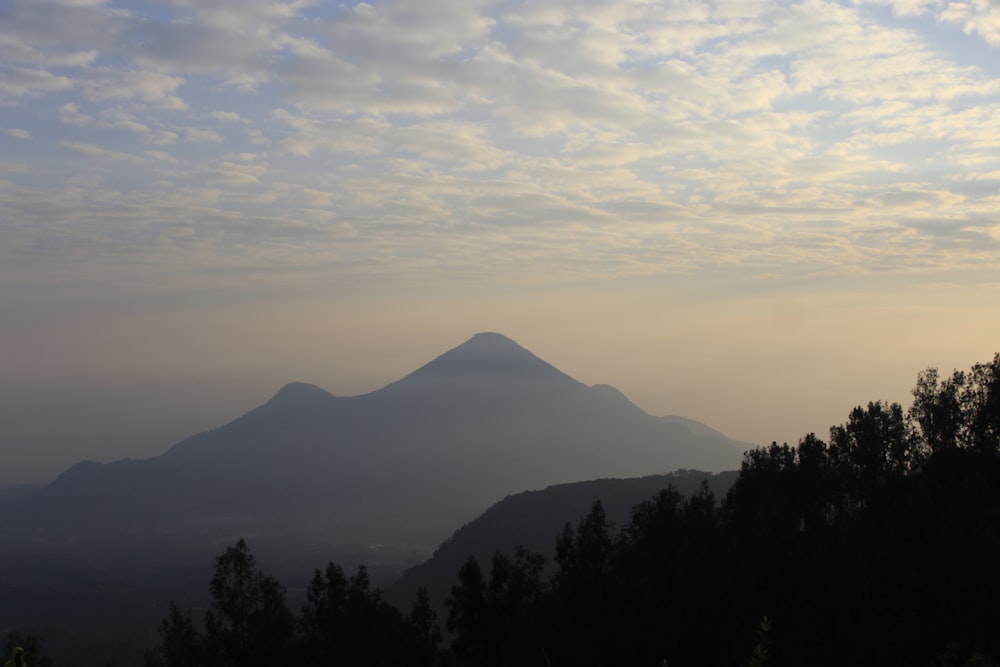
{"x":309,"y":477}
{"x":404,"y":464}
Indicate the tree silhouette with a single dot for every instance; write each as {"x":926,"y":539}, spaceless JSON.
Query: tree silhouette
{"x":873,"y":445}
{"x":181,"y":645}
{"x":249,"y":623}
{"x":426,"y":633}
{"x":347,"y":622}
{"x":496,"y":620}
{"x":32,"y":645}
{"x":468,"y":616}
{"x":980,"y":400}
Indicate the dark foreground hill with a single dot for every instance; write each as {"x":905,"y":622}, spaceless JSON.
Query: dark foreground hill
{"x":533,"y":520}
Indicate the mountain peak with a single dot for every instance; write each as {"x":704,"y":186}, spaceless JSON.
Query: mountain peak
{"x":493,"y":354}
{"x":299,"y":393}
{"x":490,"y":338}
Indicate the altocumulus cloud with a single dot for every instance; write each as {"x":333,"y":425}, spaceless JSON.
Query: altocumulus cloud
{"x":551,"y":140}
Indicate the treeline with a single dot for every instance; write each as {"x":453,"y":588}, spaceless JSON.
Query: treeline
{"x":344,"y":621}
{"x":879,"y":546}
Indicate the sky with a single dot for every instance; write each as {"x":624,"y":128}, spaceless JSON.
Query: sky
{"x":756,"y":214}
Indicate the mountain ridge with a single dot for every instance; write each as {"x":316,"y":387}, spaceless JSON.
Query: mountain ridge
{"x":485,"y":419}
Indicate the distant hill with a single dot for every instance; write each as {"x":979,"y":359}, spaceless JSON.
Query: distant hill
{"x":533,"y":519}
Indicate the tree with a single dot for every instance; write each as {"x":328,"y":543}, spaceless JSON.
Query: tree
{"x":496,"y":621}
{"x":181,"y":645}
{"x":425,"y":630}
{"x":585,"y":554}
{"x":467,"y":614}
{"x":32,"y":645}
{"x":249,"y":623}
{"x":764,"y":499}
{"x":980,"y":400}
{"x":871,"y":447}
{"x":347,"y":622}
{"x":675,"y":573}
{"x":762,"y":645}
{"x":937,"y":410}
{"x":962,"y":411}
{"x":583,"y":591}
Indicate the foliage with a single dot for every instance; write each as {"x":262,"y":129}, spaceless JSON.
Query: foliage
{"x":249,"y":623}
{"x":181,"y":645}
{"x":496,"y":620}
{"x":762,"y":648}
{"x":32,"y":645}
{"x":344,"y":621}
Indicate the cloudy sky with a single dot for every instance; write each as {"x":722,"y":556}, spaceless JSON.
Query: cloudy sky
{"x":753,"y":213}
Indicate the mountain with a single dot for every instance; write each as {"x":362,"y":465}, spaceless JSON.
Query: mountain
{"x":533,"y":519}
{"x":310,"y":477}
{"x":401,"y":465}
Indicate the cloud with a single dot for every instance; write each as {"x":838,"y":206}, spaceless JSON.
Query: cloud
{"x":358,"y":136}
{"x":605,"y":138}
{"x":228,"y":117}
{"x":200,"y":48}
{"x":119,"y":119}
{"x":151,"y":87}
{"x":904,"y":7}
{"x":16,"y":132}
{"x":92,"y":150}
{"x":977,"y":17}
{"x":25,"y":82}
{"x":69,"y":113}
{"x":234,"y":173}
{"x":202,"y":136}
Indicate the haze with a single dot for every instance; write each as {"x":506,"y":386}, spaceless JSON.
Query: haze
{"x":756,"y":215}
